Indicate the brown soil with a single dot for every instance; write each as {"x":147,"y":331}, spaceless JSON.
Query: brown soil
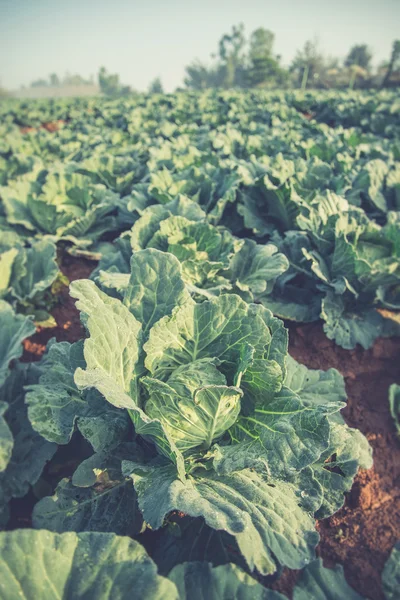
{"x":361,"y":535}
{"x":53,"y":126}
{"x":27,"y":129}
{"x":69,"y":327}
{"x":50,"y":126}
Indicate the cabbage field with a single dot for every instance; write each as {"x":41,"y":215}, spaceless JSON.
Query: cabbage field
{"x":199,"y":347}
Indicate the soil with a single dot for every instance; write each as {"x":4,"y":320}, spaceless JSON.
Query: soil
{"x":69,"y":327}
{"x":50,"y":126}
{"x":361,"y":535}
{"x":308,"y":115}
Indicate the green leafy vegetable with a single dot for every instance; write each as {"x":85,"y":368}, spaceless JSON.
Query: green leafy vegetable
{"x":41,"y":564}
{"x":221,"y":434}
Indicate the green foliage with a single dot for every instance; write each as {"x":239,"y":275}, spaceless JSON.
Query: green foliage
{"x":212,"y":260}
{"x":24,"y":452}
{"x":85,"y":565}
{"x":181,"y":420}
{"x":394,"y":404}
{"x":315,"y":581}
{"x":156,"y":86}
{"x":206,"y":388}
{"x":391,"y":574}
{"x":308,"y":63}
{"x":393,"y":63}
{"x":110,"y":85}
{"x":359,"y":55}
{"x":237,"y":68}
{"x":14,"y":329}
{"x":264,"y":67}
{"x":28,"y":275}
{"x":105,"y":566}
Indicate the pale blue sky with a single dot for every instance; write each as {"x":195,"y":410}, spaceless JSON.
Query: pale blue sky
{"x":144,"y":39}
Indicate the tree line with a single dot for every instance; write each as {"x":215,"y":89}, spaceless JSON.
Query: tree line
{"x":252,"y":63}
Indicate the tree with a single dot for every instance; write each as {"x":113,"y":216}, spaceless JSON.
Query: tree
{"x":110,"y":85}
{"x":54,"y":80}
{"x":156,"y":86}
{"x":231,"y":55}
{"x":75,"y":80}
{"x":394,"y":63}
{"x":359,"y":55}
{"x":233,"y":67}
{"x":308,"y":64}
{"x":199,"y":76}
{"x":356,"y":72}
{"x":263,"y":65}
{"x":39,"y":83}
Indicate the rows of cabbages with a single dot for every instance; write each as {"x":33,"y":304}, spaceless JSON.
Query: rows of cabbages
{"x":181,"y":424}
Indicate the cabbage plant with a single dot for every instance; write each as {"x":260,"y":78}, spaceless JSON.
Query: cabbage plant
{"x":344,"y":268}
{"x":29,"y":275}
{"x":199,"y":406}
{"x":60,"y":203}
{"x":213,"y":261}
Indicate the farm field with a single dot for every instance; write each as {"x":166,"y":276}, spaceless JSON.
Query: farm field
{"x":199,"y":346}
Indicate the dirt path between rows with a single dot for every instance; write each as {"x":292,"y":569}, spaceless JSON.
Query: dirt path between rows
{"x":361,"y":535}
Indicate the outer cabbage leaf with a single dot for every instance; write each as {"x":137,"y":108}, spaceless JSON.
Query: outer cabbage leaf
{"x":196,"y":580}
{"x":35,"y":270}
{"x":263,"y":516}
{"x":186,"y":539}
{"x":315,"y":387}
{"x":391,"y":574}
{"x":266,"y":207}
{"x":293,"y":304}
{"x":7,"y":258}
{"x":6,"y":438}
{"x":332,"y":474}
{"x":112,"y":351}
{"x":284,"y":435}
{"x":336,"y":468}
{"x":350,"y":327}
{"x":14,"y":329}
{"x":368,"y":185}
{"x":394,"y":404}
{"x":16,"y":197}
{"x":256,"y":267}
{"x":98,"y":498}
{"x":319,"y":583}
{"x":45,"y":565}
{"x":30,"y":452}
{"x":56,"y":407}
{"x":155,"y":287}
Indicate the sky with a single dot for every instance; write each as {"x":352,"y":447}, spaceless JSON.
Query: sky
{"x":141,"y":40}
